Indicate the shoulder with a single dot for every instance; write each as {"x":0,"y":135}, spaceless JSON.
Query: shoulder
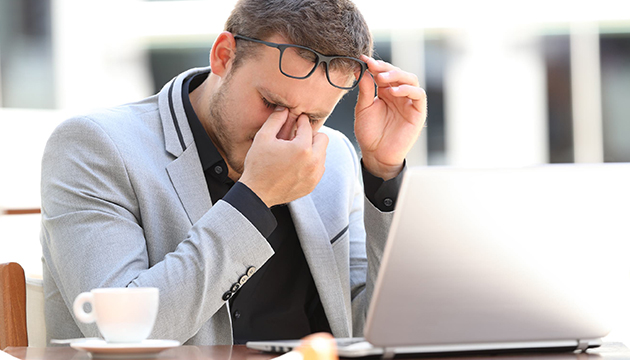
{"x":335,"y":194}
{"x":119,"y":126}
{"x":341,"y":152}
{"x":337,"y":138}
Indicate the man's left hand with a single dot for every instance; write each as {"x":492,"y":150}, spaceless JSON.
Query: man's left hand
{"x":387,"y":126}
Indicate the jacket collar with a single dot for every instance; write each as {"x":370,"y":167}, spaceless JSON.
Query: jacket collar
{"x":177,"y":134}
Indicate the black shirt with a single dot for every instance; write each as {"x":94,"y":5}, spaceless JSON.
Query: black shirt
{"x":280,"y":301}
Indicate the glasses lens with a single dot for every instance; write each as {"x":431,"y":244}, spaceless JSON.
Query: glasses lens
{"x":297,"y":62}
{"x":344,"y":72}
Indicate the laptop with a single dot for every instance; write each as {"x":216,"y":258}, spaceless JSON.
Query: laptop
{"x":495,"y":260}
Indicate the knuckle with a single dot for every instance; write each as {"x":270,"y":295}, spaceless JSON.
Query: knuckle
{"x":304,"y":152}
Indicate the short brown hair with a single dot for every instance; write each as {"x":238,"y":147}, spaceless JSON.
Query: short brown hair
{"x":331,"y":27}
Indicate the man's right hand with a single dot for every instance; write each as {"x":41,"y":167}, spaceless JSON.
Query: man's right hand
{"x":281,"y":170}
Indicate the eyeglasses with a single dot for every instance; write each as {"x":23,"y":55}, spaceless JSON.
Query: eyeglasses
{"x":346,"y":71}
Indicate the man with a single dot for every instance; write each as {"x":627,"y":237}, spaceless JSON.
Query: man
{"x":226,"y":191}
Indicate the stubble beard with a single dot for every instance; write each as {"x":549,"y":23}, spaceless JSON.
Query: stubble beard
{"x":222,"y":136}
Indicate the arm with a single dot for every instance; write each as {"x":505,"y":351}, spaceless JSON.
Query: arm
{"x":93,"y":236}
{"x":386,"y":127}
{"x":368,"y":229}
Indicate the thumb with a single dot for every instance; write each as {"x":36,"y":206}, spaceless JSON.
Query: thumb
{"x":366,"y":91}
{"x":320,"y":143}
{"x":304,"y":131}
{"x":274,"y":122}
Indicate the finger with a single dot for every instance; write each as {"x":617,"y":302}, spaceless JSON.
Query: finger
{"x":304,"y":131}
{"x":320,"y":143}
{"x":396,"y":77}
{"x":366,"y":92}
{"x":286,"y":132}
{"x":377,"y":66}
{"x":274,"y":122}
{"x":416,"y":94}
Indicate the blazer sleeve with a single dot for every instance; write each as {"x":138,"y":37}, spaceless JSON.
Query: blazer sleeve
{"x":92,"y":236}
{"x":369,"y":228}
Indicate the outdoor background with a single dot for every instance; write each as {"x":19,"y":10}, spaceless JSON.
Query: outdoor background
{"x":509,"y":83}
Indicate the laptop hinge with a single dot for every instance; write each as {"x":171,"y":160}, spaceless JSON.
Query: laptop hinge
{"x":388,"y":353}
{"x":582,"y":345}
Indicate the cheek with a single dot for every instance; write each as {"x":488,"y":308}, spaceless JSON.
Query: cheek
{"x":253,"y":121}
{"x":249,"y":119}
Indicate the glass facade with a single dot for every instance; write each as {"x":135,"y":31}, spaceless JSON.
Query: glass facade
{"x":615,"y":70}
{"x":30,"y":76}
{"x":26,"y":62}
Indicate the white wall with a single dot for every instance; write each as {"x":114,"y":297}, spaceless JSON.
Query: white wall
{"x":23,"y":135}
{"x":495,"y":105}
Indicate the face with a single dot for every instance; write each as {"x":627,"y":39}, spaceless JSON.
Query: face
{"x":248,"y":95}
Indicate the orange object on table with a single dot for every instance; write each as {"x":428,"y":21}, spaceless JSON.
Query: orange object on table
{"x":319,"y":346}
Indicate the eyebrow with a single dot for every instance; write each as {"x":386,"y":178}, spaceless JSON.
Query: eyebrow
{"x":278,"y":100}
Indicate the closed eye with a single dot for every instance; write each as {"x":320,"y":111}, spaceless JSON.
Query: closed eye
{"x":270,"y":105}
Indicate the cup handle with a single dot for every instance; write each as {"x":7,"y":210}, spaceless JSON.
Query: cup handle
{"x":83,"y":298}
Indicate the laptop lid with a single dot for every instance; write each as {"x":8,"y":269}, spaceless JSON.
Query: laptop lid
{"x":502,"y":256}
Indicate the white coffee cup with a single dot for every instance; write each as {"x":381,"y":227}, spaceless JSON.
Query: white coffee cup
{"x":122,"y":315}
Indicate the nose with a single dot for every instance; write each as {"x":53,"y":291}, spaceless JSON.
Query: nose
{"x":293,"y":115}
{"x":287,"y":132}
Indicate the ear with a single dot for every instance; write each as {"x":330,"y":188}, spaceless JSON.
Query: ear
{"x":222,"y":53}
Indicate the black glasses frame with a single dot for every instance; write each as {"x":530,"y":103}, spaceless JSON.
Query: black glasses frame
{"x":321,"y":58}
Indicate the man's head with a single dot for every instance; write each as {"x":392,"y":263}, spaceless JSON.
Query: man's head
{"x":246,"y":84}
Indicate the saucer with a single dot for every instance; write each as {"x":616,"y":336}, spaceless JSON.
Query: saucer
{"x":101,"y":348}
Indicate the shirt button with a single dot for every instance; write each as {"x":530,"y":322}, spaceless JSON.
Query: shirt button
{"x":250,"y":271}
{"x":388,"y":202}
{"x":227,"y":295}
{"x":218,"y":169}
{"x":237,"y":314}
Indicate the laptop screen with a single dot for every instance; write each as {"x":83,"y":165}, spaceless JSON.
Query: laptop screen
{"x":503,"y":255}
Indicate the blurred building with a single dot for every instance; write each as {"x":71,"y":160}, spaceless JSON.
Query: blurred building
{"x":526,"y":83}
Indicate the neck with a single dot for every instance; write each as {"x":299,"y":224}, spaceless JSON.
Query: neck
{"x":199,"y":99}
{"x":196,"y":100}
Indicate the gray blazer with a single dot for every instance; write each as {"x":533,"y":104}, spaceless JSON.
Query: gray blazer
{"x":125,"y":203}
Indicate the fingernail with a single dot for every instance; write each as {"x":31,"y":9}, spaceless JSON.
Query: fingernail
{"x":385,"y":75}
{"x":279,"y":108}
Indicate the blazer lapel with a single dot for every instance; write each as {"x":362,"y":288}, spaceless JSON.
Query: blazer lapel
{"x":319,"y":255}
{"x":185,"y":171}
{"x":189,"y":183}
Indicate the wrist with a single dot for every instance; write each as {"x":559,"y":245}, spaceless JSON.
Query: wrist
{"x":384,"y":171}
{"x":252,"y":186}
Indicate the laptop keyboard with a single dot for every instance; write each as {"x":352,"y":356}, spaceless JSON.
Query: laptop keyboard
{"x":343,"y":342}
